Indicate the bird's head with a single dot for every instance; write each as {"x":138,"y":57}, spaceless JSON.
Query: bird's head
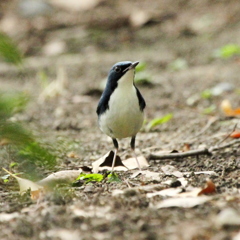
{"x":121,"y":69}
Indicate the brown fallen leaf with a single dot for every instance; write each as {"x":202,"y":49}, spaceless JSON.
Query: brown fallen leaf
{"x":227,"y":109}
{"x":235,"y":134}
{"x":209,"y":188}
{"x":105,"y":162}
{"x":72,"y":155}
{"x":186,"y":147}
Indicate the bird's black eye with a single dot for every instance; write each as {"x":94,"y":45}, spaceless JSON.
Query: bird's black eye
{"x":117,"y":69}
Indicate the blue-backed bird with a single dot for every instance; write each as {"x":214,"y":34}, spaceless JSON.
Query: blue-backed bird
{"x":121,"y":106}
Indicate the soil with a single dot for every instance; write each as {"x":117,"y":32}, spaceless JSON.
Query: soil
{"x":91,"y":41}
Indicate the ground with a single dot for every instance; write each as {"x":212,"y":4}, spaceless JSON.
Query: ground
{"x":178,"y":42}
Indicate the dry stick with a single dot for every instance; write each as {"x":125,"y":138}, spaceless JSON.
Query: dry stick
{"x":215,"y":148}
{"x":234,"y":128}
{"x":197,"y":152}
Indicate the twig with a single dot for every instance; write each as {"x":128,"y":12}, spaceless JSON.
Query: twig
{"x":234,"y":128}
{"x":203,"y":151}
{"x":197,"y":152}
{"x":215,"y":148}
{"x":126,"y":181}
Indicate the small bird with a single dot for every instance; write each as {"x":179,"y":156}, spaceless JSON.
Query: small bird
{"x":121,"y":106}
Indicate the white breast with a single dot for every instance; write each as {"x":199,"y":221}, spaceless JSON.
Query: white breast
{"x":124,"y":117}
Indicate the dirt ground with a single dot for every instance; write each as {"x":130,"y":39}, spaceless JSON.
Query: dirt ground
{"x":177,"y":40}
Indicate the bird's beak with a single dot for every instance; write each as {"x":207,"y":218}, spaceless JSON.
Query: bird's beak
{"x":132,"y":66}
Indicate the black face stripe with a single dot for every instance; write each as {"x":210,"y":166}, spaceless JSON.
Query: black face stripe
{"x":141,"y":101}
{"x":112,"y":84}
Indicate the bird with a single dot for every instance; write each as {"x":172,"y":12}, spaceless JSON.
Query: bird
{"x":121,"y":107}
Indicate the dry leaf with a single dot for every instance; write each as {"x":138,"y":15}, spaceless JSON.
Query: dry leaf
{"x":147,"y":175}
{"x":187,"y":202}
{"x":67,"y":176}
{"x":235,"y":134}
{"x":227,"y":109}
{"x":186,"y":147}
{"x":209,"y":188}
{"x":72,"y":155}
{"x":25,"y":184}
{"x":131,"y":163}
{"x":105,"y":162}
{"x":172,"y":171}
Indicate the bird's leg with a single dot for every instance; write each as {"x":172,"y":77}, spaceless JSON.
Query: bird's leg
{"x":115,"y":152}
{"x":133,"y":149}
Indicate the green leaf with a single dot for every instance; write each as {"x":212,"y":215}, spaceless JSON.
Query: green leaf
{"x":92,"y":177}
{"x":141,"y":67}
{"x":113,"y":177}
{"x":228,"y":51}
{"x":13,"y":164}
{"x":9,"y":51}
{"x":158,"y":121}
{"x":206,"y":94}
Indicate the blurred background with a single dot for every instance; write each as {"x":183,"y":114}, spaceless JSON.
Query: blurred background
{"x":56,"y":55}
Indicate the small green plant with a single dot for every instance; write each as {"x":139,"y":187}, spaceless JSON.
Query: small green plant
{"x":9,"y":51}
{"x":26,"y":151}
{"x":91,"y":177}
{"x":228,"y":51}
{"x":113,"y":177}
{"x":158,"y":121}
{"x":206,"y":94}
